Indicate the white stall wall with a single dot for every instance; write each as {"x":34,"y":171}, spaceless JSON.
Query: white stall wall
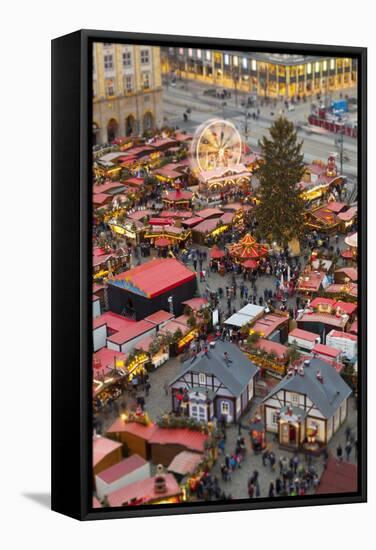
{"x":137,"y":475}
{"x":99,"y":337}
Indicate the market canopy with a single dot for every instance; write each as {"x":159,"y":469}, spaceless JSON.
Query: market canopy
{"x":216,"y":253}
{"x":163,"y":242}
{"x":248,"y":248}
{"x":250,"y":264}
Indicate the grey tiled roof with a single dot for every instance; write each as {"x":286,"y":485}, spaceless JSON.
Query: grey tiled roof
{"x":327,"y":395}
{"x":234,"y":376}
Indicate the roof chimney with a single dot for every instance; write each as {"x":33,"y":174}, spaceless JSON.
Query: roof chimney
{"x":160,"y":480}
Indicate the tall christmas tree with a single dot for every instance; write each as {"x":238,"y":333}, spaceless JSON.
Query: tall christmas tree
{"x":280,"y":213}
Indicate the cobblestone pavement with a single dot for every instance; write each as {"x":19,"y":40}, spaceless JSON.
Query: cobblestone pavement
{"x":158,"y":402}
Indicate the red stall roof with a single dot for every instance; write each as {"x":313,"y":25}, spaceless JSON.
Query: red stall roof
{"x":335,"y":206}
{"x":339,"y":334}
{"x":279,"y":350}
{"x":325,"y":318}
{"x":322,"y":349}
{"x":121,"y":469}
{"x":157,"y":276}
{"x":177,"y":195}
{"x":160,"y":316}
{"x":101,"y":198}
{"x":130,"y":332}
{"x":134,"y":428}
{"x":114,"y":321}
{"x":209,"y":212}
{"x":105,"y":357}
{"x":196,"y":303}
{"x":135,"y":182}
{"x":268,"y":324}
{"x":350,"y":272}
{"x":346,"y":307}
{"x":206,"y":226}
{"x":109,"y":185}
{"x":103,"y":447}
{"x":144,"y":491}
{"x":191,"y":439}
{"x":191,"y":222}
{"x":304,"y":335}
{"x":319,"y":301}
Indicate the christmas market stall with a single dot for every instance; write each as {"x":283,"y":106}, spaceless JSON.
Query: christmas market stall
{"x":133,"y":430}
{"x":154,"y":285}
{"x":165,"y":230}
{"x":177,"y":198}
{"x":160,"y":489}
{"x":157,"y":349}
{"x":179,"y":334}
{"x":109,"y":376}
{"x":208,"y":231}
{"x":106,"y":453}
{"x":129,"y":470}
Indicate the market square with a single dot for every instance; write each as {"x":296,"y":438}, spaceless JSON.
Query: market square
{"x":224,"y":276}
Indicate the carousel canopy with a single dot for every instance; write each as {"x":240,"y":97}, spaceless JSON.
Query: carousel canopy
{"x":248,"y":248}
{"x":163,"y":242}
{"x":216,"y":253}
{"x":250,"y":264}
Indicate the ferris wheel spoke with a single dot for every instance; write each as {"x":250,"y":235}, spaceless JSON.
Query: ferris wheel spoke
{"x":211,"y":138}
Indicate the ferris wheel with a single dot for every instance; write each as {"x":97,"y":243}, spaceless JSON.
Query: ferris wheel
{"x":216,"y":144}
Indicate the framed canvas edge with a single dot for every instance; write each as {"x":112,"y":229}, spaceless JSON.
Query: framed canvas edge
{"x":87,"y":37}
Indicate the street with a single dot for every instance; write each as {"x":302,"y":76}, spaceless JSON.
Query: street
{"x":189,"y":95}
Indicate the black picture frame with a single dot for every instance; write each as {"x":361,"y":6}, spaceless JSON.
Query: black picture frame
{"x":71,"y":268}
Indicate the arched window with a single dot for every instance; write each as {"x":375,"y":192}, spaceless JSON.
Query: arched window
{"x":148,"y":121}
{"x":130,"y":125}
{"x":112,"y":130}
{"x":95,"y":137}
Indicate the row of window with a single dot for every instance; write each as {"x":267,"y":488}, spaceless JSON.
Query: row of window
{"x":108,"y":59}
{"x":245,"y":62}
{"x":128,"y":84}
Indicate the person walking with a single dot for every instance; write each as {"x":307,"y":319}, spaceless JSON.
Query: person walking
{"x":348,"y":433}
{"x":339,"y":453}
{"x":271,"y":490}
{"x":265,"y":456}
{"x":348,"y":449}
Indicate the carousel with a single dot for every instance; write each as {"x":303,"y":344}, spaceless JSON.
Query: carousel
{"x":248,"y":249}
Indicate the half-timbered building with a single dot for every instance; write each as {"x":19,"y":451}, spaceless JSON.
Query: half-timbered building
{"x":308,"y":406}
{"x":217,"y":384}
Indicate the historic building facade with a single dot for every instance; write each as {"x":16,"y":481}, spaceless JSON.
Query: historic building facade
{"x":127,"y":91}
{"x":272,"y":75}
